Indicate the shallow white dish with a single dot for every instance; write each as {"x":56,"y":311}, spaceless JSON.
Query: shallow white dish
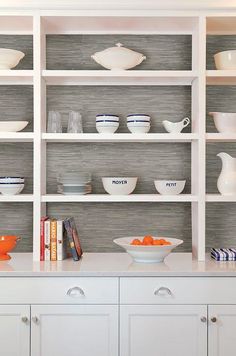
{"x":119,"y":185}
{"x":225,"y":60}
{"x":12,"y":126}
{"x":224,"y":122}
{"x":147,"y":254}
{"x":118,"y":58}
{"x":11,"y":189}
{"x":9,"y":58}
{"x":169,"y":187}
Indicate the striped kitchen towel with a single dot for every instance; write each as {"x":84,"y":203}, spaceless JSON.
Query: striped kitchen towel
{"x":223,"y":254}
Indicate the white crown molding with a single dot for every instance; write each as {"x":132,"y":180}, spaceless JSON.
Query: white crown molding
{"x":119,"y":4}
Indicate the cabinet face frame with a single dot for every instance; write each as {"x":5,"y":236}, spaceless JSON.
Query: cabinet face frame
{"x":198,"y":24}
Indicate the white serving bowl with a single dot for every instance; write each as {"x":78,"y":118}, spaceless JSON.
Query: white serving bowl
{"x":147,"y":254}
{"x":11,"y":189}
{"x":119,"y":185}
{"x":139,"y":127}
{"x":12,"y":126}
{"x":9,"y":58}
{"x":169,"y":187}
{"x":224,"y":122}
{"x":12,"y":180}
{"x":225,"y":60}
{"x":106,"y":127}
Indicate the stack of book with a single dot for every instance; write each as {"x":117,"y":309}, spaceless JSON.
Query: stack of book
{"x":56,"y":236}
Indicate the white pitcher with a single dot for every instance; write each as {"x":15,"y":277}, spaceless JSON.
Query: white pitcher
{"x":226,"y":183}
{"x":175,"y":127}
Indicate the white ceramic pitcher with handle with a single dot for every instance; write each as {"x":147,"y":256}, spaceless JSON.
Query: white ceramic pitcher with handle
{"x":226,"y":183}
{"x":175,"y":127}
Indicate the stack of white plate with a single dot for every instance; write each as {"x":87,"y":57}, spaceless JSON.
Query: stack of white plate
{"x":74,"y":183}
{"x":11,"y":185}
{"x":138,"y":123}
{"x":107,"y":123}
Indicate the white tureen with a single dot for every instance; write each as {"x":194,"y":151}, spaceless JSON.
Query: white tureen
{"x":118,"y":57}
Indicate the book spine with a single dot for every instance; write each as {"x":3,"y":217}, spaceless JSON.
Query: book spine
{"x":47,"y":240}
{"x":42,"y":239}
{"x":60,"y":242}
{"x":70,"y":239}
{"x":53,"y":238}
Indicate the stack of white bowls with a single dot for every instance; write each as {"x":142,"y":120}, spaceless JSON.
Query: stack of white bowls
{"x":73,"y":183}
{"x":11,"y":185}
{"x":107,"y":123}
{"x":138,"y":123}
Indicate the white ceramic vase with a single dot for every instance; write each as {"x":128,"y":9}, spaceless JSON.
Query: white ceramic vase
{"x":226,"y":183}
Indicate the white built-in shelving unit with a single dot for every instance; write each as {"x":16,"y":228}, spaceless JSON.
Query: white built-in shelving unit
{"x":39,"y":23}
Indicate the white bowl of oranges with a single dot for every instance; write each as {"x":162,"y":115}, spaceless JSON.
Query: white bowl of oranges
{"x":148,"y":249}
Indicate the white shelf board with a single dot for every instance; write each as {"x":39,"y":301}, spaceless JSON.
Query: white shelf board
{"x":103,"y":198}
{"x":16,"y":136}
{"x":219,"y":137}
{"x":117,"y":22}
{"x":119,"y":137}
{"x":221,"y":25}
{"x":16,"y":77}
{"x":17,"y":198}
{"x":118,"y":77}
{"x":220,"y":198}
{"x":16,"y":24}
{"x":221,"y":77}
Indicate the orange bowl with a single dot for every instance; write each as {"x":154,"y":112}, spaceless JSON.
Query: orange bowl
{"x":7,"y":243}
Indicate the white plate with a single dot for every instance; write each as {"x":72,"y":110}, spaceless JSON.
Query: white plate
{"x":12,"y":126}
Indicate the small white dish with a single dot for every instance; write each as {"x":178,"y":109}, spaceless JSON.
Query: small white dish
{"x":107,"y":118}
{"x":224,"y":122}
{"x":118,"y":58}
{"x":11,"y":189}
{"x":225,"y":60}
{"x":169,"y":187}
{"x":147,"y":254}
{"x":12,"y":180}
{"x":9,"y":58}
{"x":138,"y":118}
{"x":12,"y":126}
{"x":119,"y":185}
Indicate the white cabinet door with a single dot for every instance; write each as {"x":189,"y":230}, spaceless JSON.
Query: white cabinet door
{"x":163,"y":330}
{"x":222,"y":330}
{"x":74,"y":330}
{"x":14,"y":330}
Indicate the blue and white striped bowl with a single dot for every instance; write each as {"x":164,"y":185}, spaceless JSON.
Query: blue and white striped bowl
{"x":107,"y":118}
{"x":138,"y":118}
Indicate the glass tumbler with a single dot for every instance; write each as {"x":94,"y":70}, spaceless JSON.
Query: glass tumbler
{"x":75,"y":122}
{"x":54,"y":122}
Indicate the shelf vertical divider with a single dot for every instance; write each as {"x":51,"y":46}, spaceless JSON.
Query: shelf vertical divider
{"x":198,"y":149}
{"x":39,"y":145}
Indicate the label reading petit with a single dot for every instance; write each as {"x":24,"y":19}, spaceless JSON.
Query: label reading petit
{"x":170,"y":184}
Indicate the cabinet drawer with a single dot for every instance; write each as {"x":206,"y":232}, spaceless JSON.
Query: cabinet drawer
{"x":56,"y":290}
{"x":175,"y":290}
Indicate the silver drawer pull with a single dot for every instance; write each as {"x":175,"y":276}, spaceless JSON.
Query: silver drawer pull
{"x":163,"y":291}
{"x":24,"y":319}
{"x":75,"y":292}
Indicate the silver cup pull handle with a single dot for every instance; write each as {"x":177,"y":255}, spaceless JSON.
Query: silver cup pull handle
{"x":75,"y":292}
{"x":35,"y":319}
{"x":163,"y":291}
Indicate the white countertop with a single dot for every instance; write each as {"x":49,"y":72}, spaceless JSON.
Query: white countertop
{"x":115,"y":265}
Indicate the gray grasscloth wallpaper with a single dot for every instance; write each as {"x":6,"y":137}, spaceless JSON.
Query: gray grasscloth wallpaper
{"x":100,"y":223}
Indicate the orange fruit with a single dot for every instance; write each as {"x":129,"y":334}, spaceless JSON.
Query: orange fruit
{"x":148,"y":240}
{"x":157,"y":242}
{"x":136,"y":242}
